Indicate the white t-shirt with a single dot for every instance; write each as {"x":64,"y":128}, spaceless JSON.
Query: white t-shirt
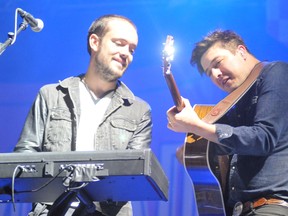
{"x":92,"y":110}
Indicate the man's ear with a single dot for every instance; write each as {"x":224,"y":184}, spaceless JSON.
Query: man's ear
{"x":94,"y":42}
{"x":243,"y":51}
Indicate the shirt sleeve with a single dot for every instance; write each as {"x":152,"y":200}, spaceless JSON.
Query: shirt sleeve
{"x":31,"y":137}
{"x":267,"y":129}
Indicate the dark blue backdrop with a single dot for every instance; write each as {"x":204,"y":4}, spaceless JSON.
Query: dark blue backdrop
{"x":59,"y":51}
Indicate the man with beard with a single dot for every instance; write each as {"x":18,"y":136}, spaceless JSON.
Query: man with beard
{"x":94,"y":111}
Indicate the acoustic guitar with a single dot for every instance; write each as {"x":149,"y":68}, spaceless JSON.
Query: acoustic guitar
{"x":207,"y":172}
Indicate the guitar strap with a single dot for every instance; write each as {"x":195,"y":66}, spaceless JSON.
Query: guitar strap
{"x":230,"y":100}
{"x":222,"y":107}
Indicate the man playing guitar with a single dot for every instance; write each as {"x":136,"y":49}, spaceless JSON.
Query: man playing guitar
{"x":253,"y":132}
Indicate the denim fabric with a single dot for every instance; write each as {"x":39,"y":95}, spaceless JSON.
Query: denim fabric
{"x":51,"y":124}
{"x":258,"y":135}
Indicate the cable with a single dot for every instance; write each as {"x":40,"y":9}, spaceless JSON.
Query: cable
{"x":13,"y":184}
{"x":12,"y":36}
{"x":15,"y":27}
{"x":78,"y":187}
{"x":22,"y":168}
{"x":47,"y":183}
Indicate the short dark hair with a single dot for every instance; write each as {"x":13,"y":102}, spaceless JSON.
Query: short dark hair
{"x":100,"y":26}
{"x":226,"y":39}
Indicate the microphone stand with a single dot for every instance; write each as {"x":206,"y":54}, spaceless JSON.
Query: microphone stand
{"x":11,"y":36}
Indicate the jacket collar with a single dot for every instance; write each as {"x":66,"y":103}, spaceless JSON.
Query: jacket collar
{"x":122,"y":91}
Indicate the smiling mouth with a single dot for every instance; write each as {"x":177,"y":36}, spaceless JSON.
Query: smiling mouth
{"x":123,"y":63}
{"x":224,"y":82}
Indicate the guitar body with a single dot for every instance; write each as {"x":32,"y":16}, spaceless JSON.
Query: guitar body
{"x":206,"y":171}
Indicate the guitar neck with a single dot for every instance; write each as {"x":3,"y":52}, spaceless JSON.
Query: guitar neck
{"x":174,"y":91}
{"x":168,"y":53}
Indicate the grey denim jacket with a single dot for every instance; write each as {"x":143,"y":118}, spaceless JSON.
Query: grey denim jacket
{"x":52,"y":122}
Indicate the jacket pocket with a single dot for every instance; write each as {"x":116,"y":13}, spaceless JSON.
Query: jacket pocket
{"x":59,"y":130}
{"x":124,"y":123}
{"x":121,"y":132}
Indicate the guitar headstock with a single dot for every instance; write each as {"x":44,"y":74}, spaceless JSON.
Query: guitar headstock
{"x":168,"y":53}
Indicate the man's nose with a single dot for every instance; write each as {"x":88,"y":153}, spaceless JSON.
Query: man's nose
{"x":125,"y":51}
{"x":216,"y":72}
{"x":126,"y":54}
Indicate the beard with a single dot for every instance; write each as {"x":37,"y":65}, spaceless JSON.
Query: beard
{"x":105,"y":71}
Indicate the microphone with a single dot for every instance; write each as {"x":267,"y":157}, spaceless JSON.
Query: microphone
{"x":36,"y":24}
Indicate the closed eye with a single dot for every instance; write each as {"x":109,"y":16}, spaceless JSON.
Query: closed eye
{"x":123,"y":43}
{"x":216,"y":64}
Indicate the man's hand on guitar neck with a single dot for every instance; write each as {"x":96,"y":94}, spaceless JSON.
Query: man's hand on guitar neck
{"x":188,"y":121}
{"x":184,"y":120}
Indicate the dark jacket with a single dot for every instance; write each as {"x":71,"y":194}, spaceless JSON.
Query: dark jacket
{"x":258,"y":135}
